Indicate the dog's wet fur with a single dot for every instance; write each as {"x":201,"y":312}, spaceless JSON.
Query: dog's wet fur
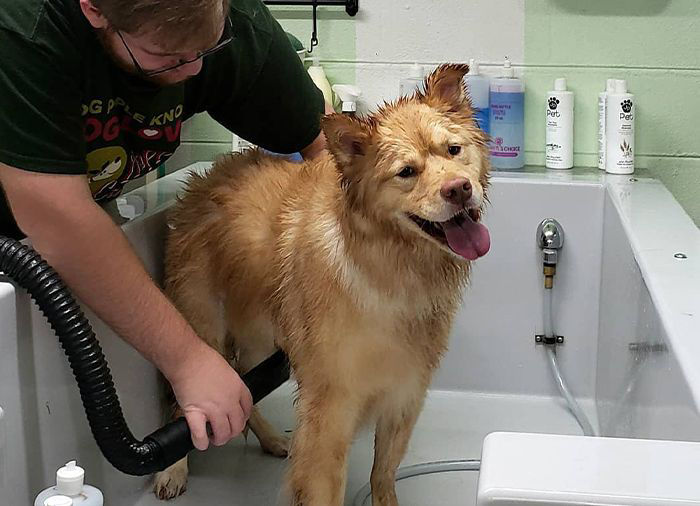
{"x":346,"y":263}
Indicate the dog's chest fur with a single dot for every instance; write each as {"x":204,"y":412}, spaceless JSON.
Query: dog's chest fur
{"x":377,"y":305}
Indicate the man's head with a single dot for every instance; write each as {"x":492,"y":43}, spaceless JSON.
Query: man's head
{"x":147,"y":36}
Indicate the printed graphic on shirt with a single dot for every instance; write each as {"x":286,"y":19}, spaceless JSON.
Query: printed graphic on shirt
{"x":124,"y":144}
{"x":105,"y":165}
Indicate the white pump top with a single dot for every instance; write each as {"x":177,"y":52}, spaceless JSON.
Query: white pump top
{"x":348,"y":95}
{"x":507,"y":70}
{"x":70,"y":479}
{"x":473,"y":67}
{"x":58,"y":500}
{"x":560,"y":84}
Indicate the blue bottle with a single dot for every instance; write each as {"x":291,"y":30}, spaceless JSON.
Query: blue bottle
{"x":507,"y":98}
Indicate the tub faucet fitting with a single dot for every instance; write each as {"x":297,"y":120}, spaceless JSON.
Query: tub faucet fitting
{"x":550,"y":239}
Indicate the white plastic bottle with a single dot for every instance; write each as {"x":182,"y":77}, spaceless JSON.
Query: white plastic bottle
{"x":602,"y":101}
{"x":506,"y":120}
{"x":478,"y":87}
{"x":318,"y":76}
{"x":70,"y":483}
{"x":414,"y":81}
{"x":559,"y":133}
{"x":619,"y":130}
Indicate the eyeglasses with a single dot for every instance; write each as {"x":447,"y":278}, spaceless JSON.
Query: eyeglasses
{"x":226,"y":39}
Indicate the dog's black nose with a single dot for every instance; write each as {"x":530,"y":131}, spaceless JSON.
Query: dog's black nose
{"x":457,"y":191}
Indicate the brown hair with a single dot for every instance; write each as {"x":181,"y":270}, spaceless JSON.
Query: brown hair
{"x":174,"y":23}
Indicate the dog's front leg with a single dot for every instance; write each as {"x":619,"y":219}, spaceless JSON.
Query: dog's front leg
{"x":171,"y":482}
{"x":327,"y":423}
{"x":393,"y":432}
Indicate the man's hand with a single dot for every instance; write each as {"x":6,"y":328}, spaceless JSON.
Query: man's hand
{"x":319,"y":144}
{"x":209,"y":390}
{"x":95,"y":259}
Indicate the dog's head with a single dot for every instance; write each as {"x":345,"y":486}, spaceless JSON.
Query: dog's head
{"x":420,"y":162}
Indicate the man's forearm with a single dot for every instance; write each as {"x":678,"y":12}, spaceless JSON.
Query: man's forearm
{"x":319,"y":144}
{"x":95,"y":259}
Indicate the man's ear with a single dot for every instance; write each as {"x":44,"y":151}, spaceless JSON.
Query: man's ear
{"x":93,"y":15}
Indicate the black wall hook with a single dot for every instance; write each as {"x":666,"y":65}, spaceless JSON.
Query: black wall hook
{"x":351,"y":7}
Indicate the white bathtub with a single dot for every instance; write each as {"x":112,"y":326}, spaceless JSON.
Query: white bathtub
{"x":618,"y":284}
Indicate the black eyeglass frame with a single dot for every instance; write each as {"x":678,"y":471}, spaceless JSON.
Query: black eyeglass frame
{"x":226,"y":38}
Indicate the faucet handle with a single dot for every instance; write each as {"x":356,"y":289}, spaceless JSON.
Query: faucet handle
{"x":550,"y":239}
{"x":550,"y":234}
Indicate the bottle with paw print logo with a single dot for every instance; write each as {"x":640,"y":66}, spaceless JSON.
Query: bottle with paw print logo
{"x":559,"y":130}
{"x":506,"y":120}
{"x":620,"y":111}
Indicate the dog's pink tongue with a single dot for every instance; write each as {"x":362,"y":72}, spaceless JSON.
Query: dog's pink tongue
{"x":470,"y":240}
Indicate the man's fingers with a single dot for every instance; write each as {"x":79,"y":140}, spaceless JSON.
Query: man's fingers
{"x":237,"y":423}
{"x":221,"y":428}
{"x":246,"y":402}
{"x":197,"y":422}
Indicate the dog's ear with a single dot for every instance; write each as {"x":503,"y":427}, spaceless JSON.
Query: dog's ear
{"x":347,"y":137}
{"x":446,"y":85}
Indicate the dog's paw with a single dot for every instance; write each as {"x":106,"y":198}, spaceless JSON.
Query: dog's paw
{"x":276,"y":445}
{"x":170,"y":483}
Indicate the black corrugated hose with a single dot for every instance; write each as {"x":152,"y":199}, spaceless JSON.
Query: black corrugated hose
{"x":158,"y":450}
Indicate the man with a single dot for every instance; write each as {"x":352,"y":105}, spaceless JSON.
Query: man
{"x":93,"y":94}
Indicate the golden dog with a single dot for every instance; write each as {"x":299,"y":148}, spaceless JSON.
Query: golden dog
{"x":353,"y":264}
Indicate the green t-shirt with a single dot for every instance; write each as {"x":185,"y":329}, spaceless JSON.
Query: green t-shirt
{"x":66,"y":108}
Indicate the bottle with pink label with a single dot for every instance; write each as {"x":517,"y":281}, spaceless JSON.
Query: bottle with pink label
{"x":507,"y":100}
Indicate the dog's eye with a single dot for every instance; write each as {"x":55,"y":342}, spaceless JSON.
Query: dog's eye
{"x":454,"y":149}
{"x":407,"y":172}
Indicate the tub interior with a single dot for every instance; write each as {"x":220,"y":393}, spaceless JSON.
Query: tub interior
{"x":452,"y":426}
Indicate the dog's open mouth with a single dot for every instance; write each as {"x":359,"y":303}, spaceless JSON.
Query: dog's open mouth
{"x":462,"y":233}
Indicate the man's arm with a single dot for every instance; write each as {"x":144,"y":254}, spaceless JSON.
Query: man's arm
{"x":93,"y":256}
{"x":319,"y":144}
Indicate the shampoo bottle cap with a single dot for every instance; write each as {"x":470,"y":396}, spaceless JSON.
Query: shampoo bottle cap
{"x":620,"y":86}
{"x":69,"y":479}
{"x":610,"y":85}
{"x":560,"y":84}
{"x":473,"y":67}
